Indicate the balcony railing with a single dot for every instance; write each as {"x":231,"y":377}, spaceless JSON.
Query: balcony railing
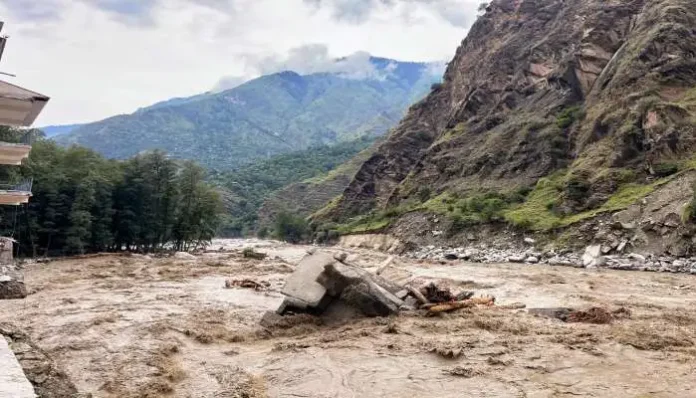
{"x":23,"y":186}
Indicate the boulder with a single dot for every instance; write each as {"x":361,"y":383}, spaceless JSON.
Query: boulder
{"x":628,"y":225}
{"x":592,"y":257}
{"x":671,"y":220}
{"x":451,"y":256}
{"x":516,"y":259}
{"x":532,"y":260}
{"x":637,"y":257}
{"x":628,"y":216}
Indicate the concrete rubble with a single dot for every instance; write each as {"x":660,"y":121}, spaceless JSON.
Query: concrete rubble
{"x":325,"y":284}
{"x":11,"y":283}
{"x":247,"y":284}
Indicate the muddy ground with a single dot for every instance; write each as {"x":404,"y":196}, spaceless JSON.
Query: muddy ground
{"x":135,"y":326}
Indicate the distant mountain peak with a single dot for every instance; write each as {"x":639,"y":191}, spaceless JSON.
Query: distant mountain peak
{"x":276,"y":113}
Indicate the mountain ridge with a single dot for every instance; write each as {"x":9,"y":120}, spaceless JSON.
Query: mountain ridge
{"x":267,"y":116}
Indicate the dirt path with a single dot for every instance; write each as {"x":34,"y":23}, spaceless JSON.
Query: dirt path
{"x":142,"y":327}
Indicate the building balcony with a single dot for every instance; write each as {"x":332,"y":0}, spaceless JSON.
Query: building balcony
{"x":13,"y":154}
{"x":15,"y":194}
{"x":19,"y":106}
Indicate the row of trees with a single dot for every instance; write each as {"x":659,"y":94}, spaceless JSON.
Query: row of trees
{"x":85,"y":203}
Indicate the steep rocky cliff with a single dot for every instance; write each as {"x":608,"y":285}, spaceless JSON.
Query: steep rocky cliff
{"x":555,"y":111}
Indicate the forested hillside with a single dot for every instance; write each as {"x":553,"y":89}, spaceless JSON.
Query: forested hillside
{"x":84,"y":202}
{"x":246,"y":189}
{"x":270,"y":115}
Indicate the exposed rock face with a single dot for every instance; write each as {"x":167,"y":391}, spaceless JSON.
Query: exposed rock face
{"x":542,"y":85}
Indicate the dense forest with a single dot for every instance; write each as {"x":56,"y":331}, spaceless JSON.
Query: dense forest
{"x":245,"y":189}
{"x":83,"y":202}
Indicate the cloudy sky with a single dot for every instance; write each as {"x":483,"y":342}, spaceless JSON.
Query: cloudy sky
{"x":98,"y":58}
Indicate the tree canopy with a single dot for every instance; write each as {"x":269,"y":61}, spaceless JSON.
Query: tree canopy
{"x":85,"y":203}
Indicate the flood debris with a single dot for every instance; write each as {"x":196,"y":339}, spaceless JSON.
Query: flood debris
{"x":247,"y":284}
{"x":325,"y":284}
{"x":437,"y":292}
{"x":249,"y":252}
{"x":461,"y":371}
{"x":322,"y":279}
{"x":456,"y":305}
{"x":422,"y":300}
{"x":593,"y":315}
{"x":11,"y":284}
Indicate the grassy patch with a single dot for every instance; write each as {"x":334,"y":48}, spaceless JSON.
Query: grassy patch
{"x":440,"y":204}
{"x":536,"y":212}
{"x":568,"y":116}
{"x":373,"y":222}
{"x":364,"y":225}
{"x":327,"y":209}
{"x":689,"y":99}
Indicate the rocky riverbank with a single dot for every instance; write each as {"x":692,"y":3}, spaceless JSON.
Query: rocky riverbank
{"x":591,"y":258}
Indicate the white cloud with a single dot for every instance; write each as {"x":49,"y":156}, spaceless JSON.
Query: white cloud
{"x":98,"y":58}
{"x":307,"y":59}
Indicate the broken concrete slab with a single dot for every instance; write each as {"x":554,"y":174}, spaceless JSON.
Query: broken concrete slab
{"x":360,"y":289}
{"x":370,"y":300}
{"x":302,"y":285}
{"x":396,"y":277}
{"x":321,"y":279}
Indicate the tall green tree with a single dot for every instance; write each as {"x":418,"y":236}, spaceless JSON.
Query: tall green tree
{"x":84,"y":203}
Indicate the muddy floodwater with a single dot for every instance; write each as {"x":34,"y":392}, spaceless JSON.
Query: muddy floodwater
{"x":140,"y":326}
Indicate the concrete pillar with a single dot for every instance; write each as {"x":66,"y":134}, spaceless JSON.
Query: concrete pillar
{"x":6,"y":251}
